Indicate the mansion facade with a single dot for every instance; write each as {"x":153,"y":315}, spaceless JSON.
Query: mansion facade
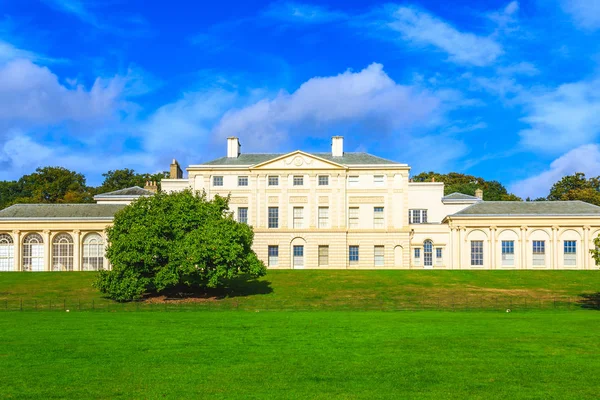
{"x":330,"y":210}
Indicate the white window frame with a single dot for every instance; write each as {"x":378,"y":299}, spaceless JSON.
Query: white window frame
{"x":243,"y":180}
{"x":477,"y":253}
{"x":273,"y":180}
{"x":298,"y":180}
{"x":7,"y":252}
{"x":33,"y":253}
{"x":507,"y":248}
{"x":273,"y":255}
{"x":379,"y":256}
{"x":323,"y":217}
{"x":217,"y":181}
{"x":379,"y":217}
{"x":353,"y":217}
{"x":379,"y":180}
{"x":353,"y":180}
{"x":298,"y":216}
{"x":273,"y":217}
{"x":353,"y":254}
{"x":93,"y":252}
{"x":539,"y":252}
{"x":63,"y":252}
{"x":242,"y":218}
{"x":323,"y":255}
{"x":417,"y":216}
{"x":323,"y":180}
{"x":570,"y":252}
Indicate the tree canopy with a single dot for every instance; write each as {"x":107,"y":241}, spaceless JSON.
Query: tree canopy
{"x":468,"y":184}
{"x":124,"y":178}
{"x":179,"y":240}
{"x":577,"y":187}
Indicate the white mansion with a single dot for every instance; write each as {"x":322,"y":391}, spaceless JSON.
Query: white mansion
{"x":332,"y":210}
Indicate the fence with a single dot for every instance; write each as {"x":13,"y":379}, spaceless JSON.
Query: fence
{"x":406,"y":303}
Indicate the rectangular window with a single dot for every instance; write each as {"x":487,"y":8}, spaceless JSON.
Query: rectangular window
{"x":298,"y":217}
{"x":323,"y":180}
{"x":418,"y":255}
{"x":379,"y":180}
{"x":378,"y":221}
{"x":508,"y":252}
{"x":438,"y":256}
{"x":323,"y":217}
{"x":273,"y":217}
{"x":379,"y":256}
{"x":477,"y":252}
{"x":323,"y":256}
{"x":273,"y":256}
{"x":417,"y":216}
{"x":217,"y":181}
{"x":273,"y":180}
{"x":353,"y":217}
{"x":298,"y":180}
{"x":353,"y":254}
{"x":242,"y":181}
{"x":298,"y":256}
{"x":539,"y":252}
{"x":353,"y":180}
{"x":243,"y":215}
{"x":570,"y":252}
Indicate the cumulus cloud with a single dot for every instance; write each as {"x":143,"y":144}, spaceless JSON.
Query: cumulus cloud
{"x":562,"y":118}
{"x":585,"y":13}
{"x":584,"y":159}
{"x":422,"y":28}
{"x":369,"y":99}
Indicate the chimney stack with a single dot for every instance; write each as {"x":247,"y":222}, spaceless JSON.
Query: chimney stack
{"x":337,"y":146}
{"x":233,"y":147}
{"x":151,"y":186}
{"x":479,"y":194}
{"x":175,"y":171}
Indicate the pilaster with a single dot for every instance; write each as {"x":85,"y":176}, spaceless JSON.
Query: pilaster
{"x":523,"y":255}
{"x":76,"y":250}
{"x":17,"y":250}
{"x":47,"y":248}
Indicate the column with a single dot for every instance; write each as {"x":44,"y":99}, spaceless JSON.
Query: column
{"x":76,"y":250}
{"x":310,"y":216}
{"x":523,"y":258}
{"x":451,"y":247}
{"x":47,"y":247}
{"x":586,"y":247}
{"x":17,"y":250}
{"x":461,"y":235}
{"x":493,"y":247}
{"x":555,"y":262}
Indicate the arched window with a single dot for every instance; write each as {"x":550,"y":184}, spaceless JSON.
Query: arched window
{"x":33,"y":252}
{"x":427,"y":253}
{"x":93,"y":252}
{"x":7,"y":252}
{"x":62,"y":252}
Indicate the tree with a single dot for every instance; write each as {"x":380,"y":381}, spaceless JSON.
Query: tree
{"x":576,"y":187}
{"x":125,"y":178}
{"x":9,"y":192}
{"x":171,"y":241}
{"x":53,"y":185}
{"x":468,"y":184}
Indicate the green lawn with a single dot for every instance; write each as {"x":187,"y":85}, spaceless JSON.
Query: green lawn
{"x":333,"y":290}
{"x":290,"y":355}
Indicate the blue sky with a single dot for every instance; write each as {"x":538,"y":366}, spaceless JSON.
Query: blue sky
{"x":507,"y":90}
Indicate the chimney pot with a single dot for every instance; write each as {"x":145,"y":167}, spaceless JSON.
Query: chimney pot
{"x":479,"y":194}
{"x":233,"y":147}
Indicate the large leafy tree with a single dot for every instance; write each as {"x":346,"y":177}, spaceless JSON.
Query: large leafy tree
{"x":53,"y":185}
{"x":171,"y":241}
{"x":468,"y":184}
{"x":577,"y":187}
{"x":124,"y":178}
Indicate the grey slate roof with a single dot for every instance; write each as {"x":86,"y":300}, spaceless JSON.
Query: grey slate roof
{"x":459,"y":196}
{"x":257,"y":158}
{"x":60,"y":211}
{"x":128,"y":192}
{"x":529,"y":208}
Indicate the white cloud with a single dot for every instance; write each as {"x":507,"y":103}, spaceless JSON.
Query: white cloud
{"x":368,"y":101}
{"x":585,"y":13}
{"x":584,"y":159}
{"x":302,"y":13}
{"x":521,"y":68}
{"x":506,"y":18}
{"x":562,"y":118}
{"x":421,"y":28}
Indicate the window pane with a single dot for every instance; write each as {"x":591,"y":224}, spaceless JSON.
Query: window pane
{"x":428,"y":253}
{"x":323,"y":180}
{"x":353,"y":180}
{"x":243,"y":215}
{"x":353,"y":254}
{"x":323,"y":217}
{"x":298,"y":256}
{"x":570,"y":250}
{"x":379,"y":180}
{"x":273,"y":255}
{"x":217,"y":181}
{"x":298,"y":217}
{"x":353,"y":213}
{"x":242,"y":181}
{"x":379,"y":252}
{"x":273,"y":217}
{"x":438,"y":253}
{"x":378,"y":220}
{"x":273,"y":180}
{"x":323,"y":255}
{"x":508,"y":252}
{"x":298,"y":180}
{"x":477,"y":252}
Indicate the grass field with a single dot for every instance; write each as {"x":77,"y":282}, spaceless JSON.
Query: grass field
{"x":334,"y":290}
{"x":295,"y":355}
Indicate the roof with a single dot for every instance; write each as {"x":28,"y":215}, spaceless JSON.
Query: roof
{"x":460,"y":196}
{"x":60,"y":211}
{"x":529,"y":208}
{"x":134,"y":191}
{"x":257,"y":158}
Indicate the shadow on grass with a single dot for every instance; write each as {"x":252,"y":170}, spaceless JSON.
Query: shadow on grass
{"x":590,"y":301}
{"x":238,"y":287}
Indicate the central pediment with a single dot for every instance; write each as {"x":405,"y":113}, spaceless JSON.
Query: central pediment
{"x":298,"y":160}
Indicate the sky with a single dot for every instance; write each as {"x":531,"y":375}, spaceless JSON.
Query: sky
{"x":505,"y":90}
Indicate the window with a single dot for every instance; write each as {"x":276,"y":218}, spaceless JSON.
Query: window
{"x":378,"y":222}
{"x":417,"y":216}
{"x":418,"y":255}
{"x":570,"y":252}
{"x":217,"y":181}
{"x":298,"y":180}
{"x":508,"y":252}
{"x":298,"y":256}
{"x":323,"y":255}
{"x":273,"y":181}
{"x":539,"y":252}
{"x":428,"y":253}
{"x":273,"y":256}
{"x":353,"y":180}
{"x":243,"y":215}
{"x":273,"y":217}
{"x":323,"y":217}
{"x":242,"y":181}
{"x":353,"y":217}
{"x":379,"y":253}
{"x":7,"y":252}
{"x":33,"y":253}
{"x":353,"y":254}
{"x":439,"y":260}
{"x":62,"y":252}
{"x":477,"y":252}
{"x":323,"y":180}
{"x":93,"y":252}
{"x":298,"y":217}
{"x":379,"y":180}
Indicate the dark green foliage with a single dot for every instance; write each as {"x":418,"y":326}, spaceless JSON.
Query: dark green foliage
{"x":468,"y":184}
{"x":577,"y":187}
{"x":125,"y":178}
{"x":53,"y":185}
{"x":167,"y":241}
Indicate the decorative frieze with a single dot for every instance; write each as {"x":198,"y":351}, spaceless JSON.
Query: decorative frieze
{"x":366,"y":200}
{"x":273,"y":199}
{"x":323,"y":199}
{"x":238,"y":200}
{"x":298,"y":199}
